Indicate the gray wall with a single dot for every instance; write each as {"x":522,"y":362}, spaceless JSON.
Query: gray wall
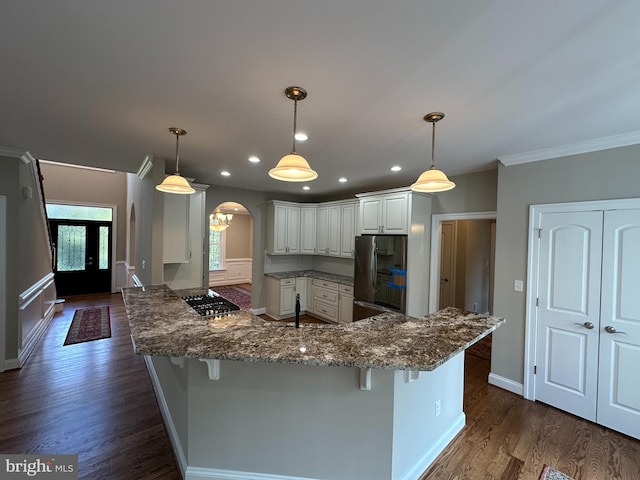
{"x":474,"y":192}
{"x":609,"y":174}
{"x":239,"y":242}
{"x":78,"y":185}
{"x":27,"y":252}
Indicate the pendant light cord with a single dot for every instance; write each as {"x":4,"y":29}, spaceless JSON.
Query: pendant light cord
{"x":177,"y":155}
{"x":433,"y":146}
{"x":295,"y":121}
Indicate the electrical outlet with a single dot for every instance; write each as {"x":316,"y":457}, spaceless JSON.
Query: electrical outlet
{"x":475,"y":307}
{"x":438,"y":407}
{"x":518,"y":285}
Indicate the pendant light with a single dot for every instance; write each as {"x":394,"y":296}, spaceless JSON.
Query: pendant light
{"x":176,"y":183}
{"x":293,"y":167}
{"x":433,"y":180}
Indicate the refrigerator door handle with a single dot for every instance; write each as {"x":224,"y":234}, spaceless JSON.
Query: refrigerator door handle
{"x":374,"y":268}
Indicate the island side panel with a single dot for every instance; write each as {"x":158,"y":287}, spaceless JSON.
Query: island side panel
{"x":420,"y":433}
{"x":291,"y":420}
{"x":170,"y":383}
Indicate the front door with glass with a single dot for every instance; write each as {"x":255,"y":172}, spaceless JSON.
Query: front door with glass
{"x":82,"y":261}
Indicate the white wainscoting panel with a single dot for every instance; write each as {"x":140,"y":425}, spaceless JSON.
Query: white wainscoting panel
{"x":236,"y":271}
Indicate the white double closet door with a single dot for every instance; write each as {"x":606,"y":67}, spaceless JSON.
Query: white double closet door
{"x":587,"y":350}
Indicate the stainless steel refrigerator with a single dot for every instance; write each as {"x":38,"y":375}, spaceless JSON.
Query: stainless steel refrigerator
{"x":380,"y":272}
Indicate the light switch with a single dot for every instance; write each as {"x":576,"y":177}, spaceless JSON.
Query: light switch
{"x":518,"y":285}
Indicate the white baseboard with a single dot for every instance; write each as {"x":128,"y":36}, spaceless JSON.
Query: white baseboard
{"x":36,"y":333}
{"x":11,"y":364}
{"x":506,"y":384}
{"x":195,"y":473}
{"x":259,"y":311}
{"x":428,"y":458}
{"x":167,"y":418}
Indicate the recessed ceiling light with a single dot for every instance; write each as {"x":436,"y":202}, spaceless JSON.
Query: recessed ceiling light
{"x":342,"y":180}
{"x":306,"y":187}
{"x":396,"y":168}
{"x":254,"y":159}
{"x":224,"y":173}
{"x":301,"y":137}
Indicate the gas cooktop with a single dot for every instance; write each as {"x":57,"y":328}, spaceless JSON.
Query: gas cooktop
{"x":211,"y":304}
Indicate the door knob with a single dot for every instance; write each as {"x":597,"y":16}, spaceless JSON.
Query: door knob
{"x":610,"y":329}
{"x":587,"y":325}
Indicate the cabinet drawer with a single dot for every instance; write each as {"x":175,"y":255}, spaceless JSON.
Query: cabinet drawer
{"x":348,"y":289}
{"x":325,"y":310}
{"x":325,"y":284}
{"x":324,"y":294}
{"x":287,"y":281}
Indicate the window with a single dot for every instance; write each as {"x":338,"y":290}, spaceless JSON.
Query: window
{"x":216,"y":249}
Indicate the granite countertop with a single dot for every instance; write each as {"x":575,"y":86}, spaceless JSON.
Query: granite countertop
{"x":163,"y":324}
{"x":330,"y":277}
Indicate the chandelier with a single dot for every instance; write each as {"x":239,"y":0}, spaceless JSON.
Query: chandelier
{"x":219,"y":221}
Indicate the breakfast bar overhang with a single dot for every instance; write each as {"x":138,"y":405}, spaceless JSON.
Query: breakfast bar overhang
{"x":247,"y":399}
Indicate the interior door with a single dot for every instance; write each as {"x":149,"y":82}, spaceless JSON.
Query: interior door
{"x":619,"y":387}
{"x":82,"y":262}
{"x":569,"y":311}
{"x":447,"y":256}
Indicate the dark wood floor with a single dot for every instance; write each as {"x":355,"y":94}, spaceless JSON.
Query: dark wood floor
{"x":95,"y":399}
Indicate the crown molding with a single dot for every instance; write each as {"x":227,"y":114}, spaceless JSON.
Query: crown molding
{"x":604,"y":143}
{"x":23,"y":155}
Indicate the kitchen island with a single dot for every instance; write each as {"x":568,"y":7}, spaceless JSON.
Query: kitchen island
{"x":247,"y":399}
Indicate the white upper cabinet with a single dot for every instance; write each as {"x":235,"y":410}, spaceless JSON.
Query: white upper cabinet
{"x":175,"y":246}
{"x":311,"y":229}
{"x":328,"y":230}
{"x":386,"y":213}
{"x":348,"y":230}
{"x":308,"y":230}
{"x":283,"y":228}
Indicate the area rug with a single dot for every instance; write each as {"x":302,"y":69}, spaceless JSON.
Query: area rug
{"x":237,"y":295}
{"x":550,"y":473}
{"x":482,"y":348}
{"x":89,"y":324}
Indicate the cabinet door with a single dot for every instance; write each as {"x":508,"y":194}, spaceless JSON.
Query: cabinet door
{"x":293,"y":229}
{"x":335,"y":215}
{"x":345,"y":304}
{"x":348,"y":230}
{"x":175,"y":246}
{"x":395,"y":213}
{"x":322,"y":232}
{"x":288,"y":298}
{"x":371,"y":214}
{"x":280,"y":229}
{"x":301,"y":289}
{"x":308,"y":230}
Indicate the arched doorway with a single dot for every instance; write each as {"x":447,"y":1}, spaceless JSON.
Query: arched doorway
{"x":230,"y":252}
{"x":230,"y":249}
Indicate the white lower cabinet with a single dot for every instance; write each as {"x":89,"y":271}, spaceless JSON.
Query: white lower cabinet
{"x":345,"y":304}
{"x":325,"y":300}
{"x":281,"y":297}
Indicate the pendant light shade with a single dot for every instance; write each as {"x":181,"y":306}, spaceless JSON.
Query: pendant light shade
{"x":176,"y":183}
{"x":433,"y":180}
{"x":294,"y":167}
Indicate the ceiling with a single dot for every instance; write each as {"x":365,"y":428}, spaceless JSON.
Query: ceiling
{"x":99,"y":83}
